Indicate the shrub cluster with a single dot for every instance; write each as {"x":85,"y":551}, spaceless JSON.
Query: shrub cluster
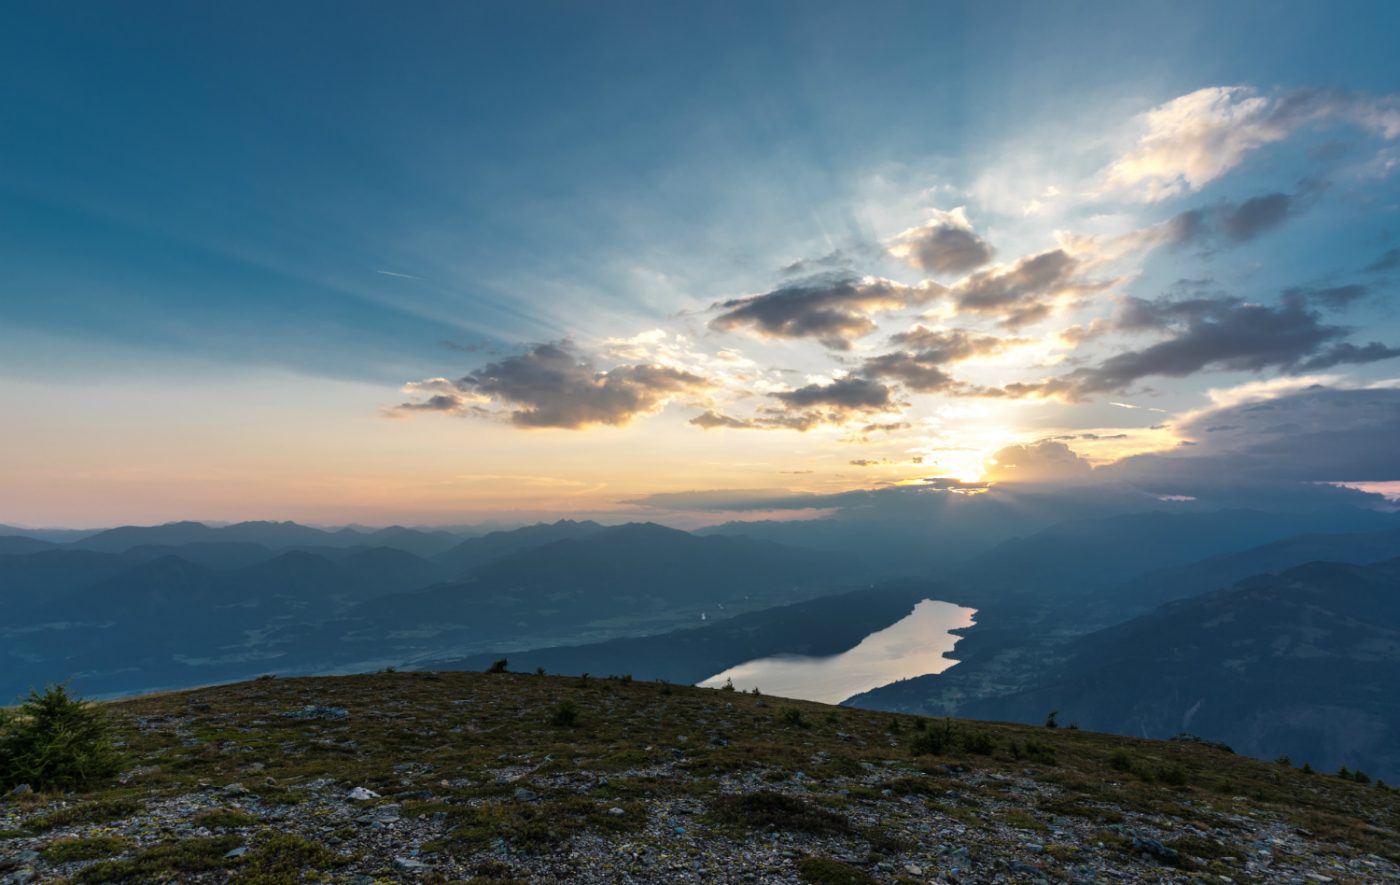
{"x":55,"y":740}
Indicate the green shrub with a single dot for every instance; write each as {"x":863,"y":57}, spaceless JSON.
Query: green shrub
{"x":791,"y":716}
{"x":1172,"y":775}
{"x":55,"y":740}
{"x":933,"y":741}
{"x":564,"y":714}
{"x":1120,"y":761}
{"x":979,"y":743}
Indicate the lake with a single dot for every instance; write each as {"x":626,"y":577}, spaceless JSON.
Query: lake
{"x":916,"y":645}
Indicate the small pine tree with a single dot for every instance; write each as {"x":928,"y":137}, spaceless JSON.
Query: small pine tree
{"x":498,"y":666}
{"x":56,"y":740}
{"x":1050,"y":720}
{"x":565,"y":714}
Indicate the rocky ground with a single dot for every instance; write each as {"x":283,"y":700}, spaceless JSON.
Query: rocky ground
{"x":506,"y":777}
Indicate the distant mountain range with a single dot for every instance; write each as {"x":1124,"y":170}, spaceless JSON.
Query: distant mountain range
{"x":1271,"y":631}
{"x":188,"y":604}
{"x":1304,"y":663}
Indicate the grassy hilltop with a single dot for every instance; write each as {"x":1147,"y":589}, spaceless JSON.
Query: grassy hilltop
{"x":507,"y":777}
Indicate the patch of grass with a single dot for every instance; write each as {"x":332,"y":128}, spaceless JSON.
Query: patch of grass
{"x":766,"y":809}
{"x":825,"y":871}
{"x":1019,"y":819}
{"x":536,"y":827}
{"x":83,"y":848}
{"x":224,"y":818}
{"x":160,"y":862}
{"x":285,"y":858}
{"x":85,"y":813}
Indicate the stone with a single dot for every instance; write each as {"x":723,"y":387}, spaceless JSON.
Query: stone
{"x":313,"y":711}
{"x":237,"y":852}
{"x":361,"y":794}
{"x":525,"y":795}
{"x":21,"y":790}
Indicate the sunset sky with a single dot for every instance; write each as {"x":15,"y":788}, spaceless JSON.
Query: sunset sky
{"x":443,"y":263}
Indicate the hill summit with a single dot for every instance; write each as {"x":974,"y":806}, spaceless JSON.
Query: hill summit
{"x":504,"y":777}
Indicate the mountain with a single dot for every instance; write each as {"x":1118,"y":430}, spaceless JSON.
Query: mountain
{"x":1037,"y":593}
{"x":214,"y":554}
{"x":13,"y":544}
{"x":29,"y":582}
{"x":1146,"y":592}
{"x":415,"y":541}
{"x":472,"y":553}
{"x":1304,"y":663}
{"x":272,"y":535}
{"x":637,"y":573}
{"x":519,"y":778}
{"x":827,"y":625}
{"x":53,"y":536}
{"x":1076,"y":557}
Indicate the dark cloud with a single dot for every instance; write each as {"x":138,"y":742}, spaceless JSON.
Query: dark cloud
{"x":710,"y":419}
{"x":1333,"y":297}
{"x":1389,"y":260}
{"x":1044,"y":462}
{"x":845,"y":394}
{"x":1222,"y":334}
{"x":553,"y":386}
{"x":441,"y":402}
{"x":868,"y":462}
{"x":814,"y":405}
{"x":909,"y":370}
{"x":1315,"y":435}
{"x":1020,"y":293}
{"x":944,"y":246}
{"x":1254,"y":216}
{"x":1228,"y":223}
{"x":835,"y":310}
{"x":919,"y":368}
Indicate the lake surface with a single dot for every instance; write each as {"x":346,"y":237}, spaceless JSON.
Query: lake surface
{"x":913,"y":646}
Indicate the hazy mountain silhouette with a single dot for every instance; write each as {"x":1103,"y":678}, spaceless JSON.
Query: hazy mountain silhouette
{"x":824,"y":626}
{"x":634,"y":571}
{"x":468,"y":555}
{"x":1304,"y":663}
{"x":13,"y":544}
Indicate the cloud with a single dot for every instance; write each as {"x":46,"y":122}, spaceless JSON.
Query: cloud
{"x":1225,"y":334}
{"x":919,"y":368}
{"x":849,"y":394}
{"x":1389,"y":260}
{"x":832,"y":403}
{"x":710,"y":419}
{"x":1319,"y":434}
{"x":1044,"y":462}
{"x":1332,"y":297}
{"x":551,"y":385}
{"x":1022,"y":292}
{"x":835,"y":310}
{"x":1196,"y":138}
{"x":947,"y":244}
{"x":1232,"y":223}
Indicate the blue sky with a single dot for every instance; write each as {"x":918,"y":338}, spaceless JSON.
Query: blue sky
{"x":336,"y":199}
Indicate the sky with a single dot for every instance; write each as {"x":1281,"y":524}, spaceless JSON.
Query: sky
{"x":439,"y":263}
